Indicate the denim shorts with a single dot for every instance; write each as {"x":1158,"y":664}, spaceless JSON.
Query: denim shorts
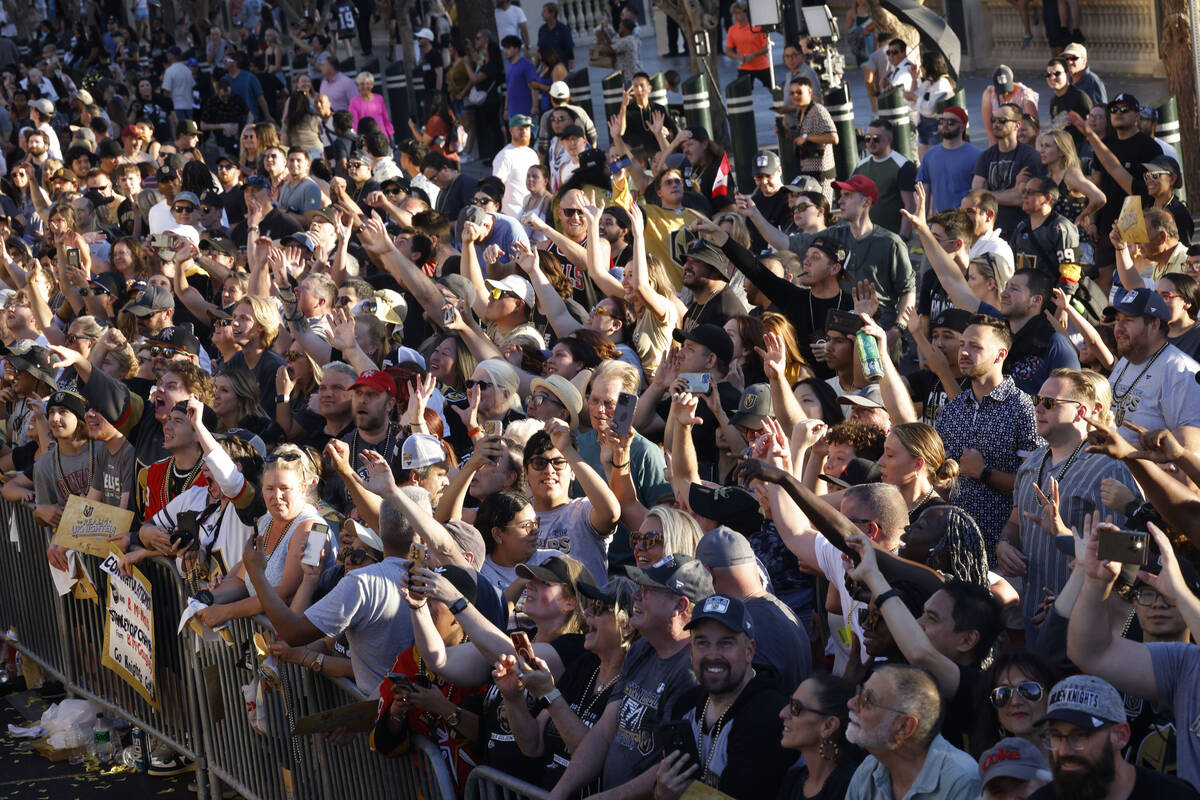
{"x":927,"y":131}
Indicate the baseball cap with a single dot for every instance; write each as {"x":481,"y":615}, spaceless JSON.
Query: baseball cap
{"x":867,"y":397}
{"x":617,"y":593}
{"x":364,"y":534}
{"x":566,"y":393}
{"x":515,"y":284}
{"x":43,"y":105}
{"x":571,"y":131}
{"x":187,"y":197}
{"x":677,"y":573}
{"x":1075,"y":49}
{"x":83,"y":96}
{"x":729,"y":611}
{"x":68,"y":400}
{"x":258,"y":182}
{"x":1086,"y":701}
{"x":557,"y":569}
{"x":188,"y":127}
{"x":860,"y":184}
{"x":766,"y":163}
{"x":957,"y":111}
{"x":699,"y":133}
{"x":830,"y":247}
{"x":222,"y":244}
{"x":1125,"y":99}
{"x":152,"y":300}
{"x":1163,"y":163}
{"x":803,"y":183}
{"x":193,"y":62}
{"x":110,"y":283}
{"x":754,"y":407}
{"x":188,"y":232}
{"x":1013,"y":757}
{"x":177,"y":338}
{"x":956,"y":319}
{"x":65,"y":174}
{"x":705,"y":253}
{"x":559,"y":90}
{"x":301,"y":239}
{"x":730,"y":506}
{"x":425,"y":33}
{"x":1149,"y":113}
{"x":1002,"y":79}
{"x":1139,"y":303}
{"x":724,"y":547}
{"x":715,"y":338}
{"x":421,"y":450}
{"x":378,"y":380}
{"x":167,"y":173}
{"x":462,"y":580}
{"x":856,"y":472}
{"x":251,"y":438}
{"x":520,"y":121}
{"x":131,"y":130}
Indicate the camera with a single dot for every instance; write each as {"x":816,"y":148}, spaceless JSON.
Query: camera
{"x":187,"y":530}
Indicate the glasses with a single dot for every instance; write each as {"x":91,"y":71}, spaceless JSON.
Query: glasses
{"x":271,"y":459}
{"x":894,"y":52}
{"x":541,"y":399}
{"x":594,"y":608}
{"x":165,"y":352}
{"x":292,"y":355}
{"x":88,"y":292}
{"x":483,"y":385}
{"x":496,"y":294}
{"x":866,"y":697}
{"x":571,"y":212}
{"x":644,"y":540}
{"x":949,"y":121}
{"x":1146,"y":596}
{"x":341,"y":301}
{"x":869,"y":619}
{"x":800,"y":208}
{"x":1169,"y":295}
{"x":797,"y":708}
{"x":1123,"y":110}
{"x":1153,"y":175}
{"x":393,"y":190}
{"x":353,"y":164}
{"x":1072,"y":59}
{"x":368,"y":306}
{"x":1049,"y":403}
{"x":1050,"y":75}
{"x":357,"y":556}
{"x":480,"y":201}
{"x":540,"y":463}
{"x":206,"y":209}
{"x":603,"y":312}
{"x":223,"y":323}
{"x":226,"y":166}
{"x":1076,"y":740}
{"x":1003,"y":120}
{"x":184,"y":208}
{"x":1003,"y":695}
{"x":530,"y":527}
{"x":871,"y":139}
{"x":72,"y":338}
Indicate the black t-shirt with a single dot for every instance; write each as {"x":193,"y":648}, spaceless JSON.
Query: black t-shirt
{"x":1179,"y":212}
{"x":1072,"y":100}
{"x":960,"y":711}
{"x":1149,"y":785}
{"x":776,"y":211}
{"x":1000,"y":170}
{"x":932,"y":298}
{"x":704,"y":434}
{"x":578,"y":686}
{"x":1133,"y":153}
{"x":926,"y":388}
{"x":264,"y":372}
{"x":836,"y":785}
{"x":1046,"y":247}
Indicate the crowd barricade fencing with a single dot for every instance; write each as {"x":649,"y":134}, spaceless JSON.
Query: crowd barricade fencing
{"x":202,"y":708}
{"x":489,"y":783}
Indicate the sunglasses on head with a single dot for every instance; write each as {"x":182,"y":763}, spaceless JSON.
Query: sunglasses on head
{"x":271,"y":459}
{"x":1030,"y":690}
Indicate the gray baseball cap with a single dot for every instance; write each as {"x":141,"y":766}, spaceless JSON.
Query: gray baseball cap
{"x":724,"y":547}
{"x":1013,"y":758}
{"x":1086,"y":701}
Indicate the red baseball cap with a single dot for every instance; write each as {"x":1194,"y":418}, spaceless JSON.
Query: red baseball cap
{"x":957,"y":111}
{"x":861,"y":184}
{"x":131,"y":130}
{"x":378,"y":380}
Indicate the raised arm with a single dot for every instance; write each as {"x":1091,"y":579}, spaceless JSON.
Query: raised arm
{"x":948,"y":272}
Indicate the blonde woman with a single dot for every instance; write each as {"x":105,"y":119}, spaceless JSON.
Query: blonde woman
{"x":289,"y":489}
{"x":369,"y":104}
{"x":796,"y":368}
{"x":255,"y":328}
{"x":1078,"y":197}
{"x":664,"y":531}
{"x":914,"y":460}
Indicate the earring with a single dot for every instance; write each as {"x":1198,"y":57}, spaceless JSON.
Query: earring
{"x":828,"y":749}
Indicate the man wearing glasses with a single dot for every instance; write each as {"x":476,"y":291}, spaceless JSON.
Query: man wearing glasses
{"x":1005,"y":167}
{"x":1055,"y":488}
{"x":1082,"y":76}
{"x":1067,"y":97}
{"x":947,"y":168}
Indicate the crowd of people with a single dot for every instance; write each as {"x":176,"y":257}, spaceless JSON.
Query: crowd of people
{"x":608,"y":474}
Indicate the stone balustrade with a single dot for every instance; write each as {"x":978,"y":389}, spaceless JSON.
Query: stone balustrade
{"x":582,"y":17}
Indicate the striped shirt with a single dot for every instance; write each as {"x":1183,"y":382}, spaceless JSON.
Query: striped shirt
{"x":1079,"y":495}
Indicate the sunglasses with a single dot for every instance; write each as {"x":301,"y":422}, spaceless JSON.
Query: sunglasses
{"x":1003,"y":120}
{"x":88,"y":292}
{"x":539,"y":400}
{"x":369,"y":306}
{"x":1123,"y":110}
{"x":393,"y":190}
{"x":353,"y":164}
{"x":1049,"y":75}
{"x":801,"y":207}
{"x":165,"y":352}
{"x":483,"y":385}
{"x":206,"y":209}
{"x":226,"y":166}
{"x":1030,"y":690}
{"x":1049,"y":403}
{"x":292,"y":355}
{"x":950,"y":121}
{"x":646,"y":540}
{"x":72,"y":338}
{"x":271,"y":459}
{"x":871,"y":139}
{"x":869,"y":618}
{"x":571,"y":212}
{"x":480,"y":201}
{"x":496,"y":294}
{"x":894,"y":52}
{"x":603,"y":312}
{"x":185,"y":208}
{"x":1071,"y":58}
{"x":357,"y":556}
{"x":797,"y":708}
{"x":342,"y":300}
{"x":540,"y":463}
{"x":595,"y":608}
{"x":222,"y":323}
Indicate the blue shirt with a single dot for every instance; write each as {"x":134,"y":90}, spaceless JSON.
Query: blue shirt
{"x":247,"y":87}
{"x":948,"y":174}
{"x":947,"y":774}
{"x":518,"y":74}
{"x":560,"y":39}
{"x":505,"y":231}
{"x":1003,"y":428}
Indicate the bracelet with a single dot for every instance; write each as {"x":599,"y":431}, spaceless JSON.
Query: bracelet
{"x":551,"y":697}
{"x":621,"y":466}
{"x":883,"y":597}
{"x":473,"y":432}
{"x":458,"y":606}
{"x":252,"y":228}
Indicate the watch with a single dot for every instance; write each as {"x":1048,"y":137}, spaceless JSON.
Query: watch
{"x":318,"y":663}
{"x":883,"y":597}
{"x":553,"y":695}
{"x":281,"y":398}
{"x":458,"y":606}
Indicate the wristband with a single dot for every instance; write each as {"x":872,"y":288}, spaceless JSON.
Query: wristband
{"x":281,"y":398}
{"x":621,"y":466}
{"x":883,"y":597}
{"x":458,"y":606}
{"x":551,"y":697}
{"x":1133,"y":507}
{"x":473,"y":432}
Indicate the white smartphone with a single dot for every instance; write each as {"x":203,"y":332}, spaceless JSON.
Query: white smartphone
{"x":697,"y":382}
{"x":318,"y":537}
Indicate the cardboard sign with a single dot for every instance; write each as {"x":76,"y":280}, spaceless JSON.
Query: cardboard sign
{"x":356,"y":717}
{"x":1130,"y":221}
{"x":129,"y":634}
{"x":86,"y":526}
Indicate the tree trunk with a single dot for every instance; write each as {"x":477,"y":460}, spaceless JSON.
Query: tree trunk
{"x":1175,"y":49}
{"x":692,"y":17}
{"x":405,"y":39}
{"x":475,"y":16}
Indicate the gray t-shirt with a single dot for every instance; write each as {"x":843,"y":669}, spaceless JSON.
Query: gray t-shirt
{"x":304,"y":196}
{"x":1175,"y":668}
{"x":58,"y":476}
{"x":648,"y":689}
{"x":366,"y":607}
{"x":781,"y":645}
{"x":114,"y":473}
{"x":569,"y":530}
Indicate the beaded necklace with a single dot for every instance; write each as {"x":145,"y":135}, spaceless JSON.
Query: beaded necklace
{"x":1118,"y":404}
{"x":714,"y":733}
{"x":164,"y":490}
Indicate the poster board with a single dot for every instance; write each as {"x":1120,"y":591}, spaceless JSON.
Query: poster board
{"x":129,"y":629}
{"x":87,"y":526}
{"x":1131,"y":223}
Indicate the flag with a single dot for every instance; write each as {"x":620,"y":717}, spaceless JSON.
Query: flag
{"x":720,"y":187}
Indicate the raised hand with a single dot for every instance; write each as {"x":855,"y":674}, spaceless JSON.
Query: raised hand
{"x":1159,"y":446}
{"x":374,"y":237}
{"x":866,"y":298}
{"x":1105,"y":440}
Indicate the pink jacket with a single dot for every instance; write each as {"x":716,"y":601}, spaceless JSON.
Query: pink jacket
{"x":375,"y":107}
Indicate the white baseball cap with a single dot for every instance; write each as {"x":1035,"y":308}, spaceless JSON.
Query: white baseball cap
{"x":515,"y":284}
{"x":425,"y":33}
{"x":421,"y":450}
{"x":559,"y":90}
{"x":188,"y":232}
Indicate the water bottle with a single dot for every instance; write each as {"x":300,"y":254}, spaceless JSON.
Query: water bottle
{"x":102,"y":745}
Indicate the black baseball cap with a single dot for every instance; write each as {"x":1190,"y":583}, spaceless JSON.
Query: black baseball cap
{"x":729,"y":611}
{"x":618,"y":593}
{"x":830,"y":247}
{"x":956,"y":319}
{"x":557,"y":569}
{"x":708,"y":335}
{"x":177,"y":338}
{"x":726,"y":505}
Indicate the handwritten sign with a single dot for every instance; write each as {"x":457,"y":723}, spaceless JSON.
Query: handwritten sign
{"x":129,"y":634}
{"x":86,"y":526}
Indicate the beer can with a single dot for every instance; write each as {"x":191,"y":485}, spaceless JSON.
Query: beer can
{"x":141,"y":750}
{"x":868,"y":355}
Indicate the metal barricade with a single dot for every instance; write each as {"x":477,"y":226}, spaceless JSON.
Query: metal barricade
{"x":30,"y":609}
{"x":488,"y":783}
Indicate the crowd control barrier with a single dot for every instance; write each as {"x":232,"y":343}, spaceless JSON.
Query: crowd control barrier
{"x":200,"y":709}
{"x":488,"y":783}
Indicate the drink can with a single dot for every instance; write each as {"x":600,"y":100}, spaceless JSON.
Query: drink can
{"x":868,"y":354}
{"x":141,"y":750}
